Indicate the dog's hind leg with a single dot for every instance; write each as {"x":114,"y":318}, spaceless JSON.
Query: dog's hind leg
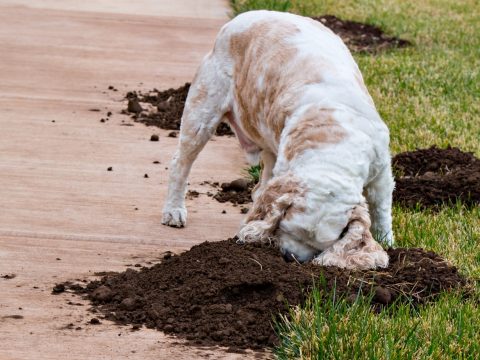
{"x":206,"y":104}
{"x":379,"y":198}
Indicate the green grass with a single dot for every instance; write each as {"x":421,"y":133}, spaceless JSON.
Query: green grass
{"x":427,"y":94}
{"x":331,"y":328}
{"x":254,"y":172}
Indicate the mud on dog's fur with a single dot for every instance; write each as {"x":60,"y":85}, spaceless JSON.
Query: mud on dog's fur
{"x":296,"y":100}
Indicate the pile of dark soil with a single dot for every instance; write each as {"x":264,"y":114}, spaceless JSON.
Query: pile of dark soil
{"x":431,"y":177}
{"x":425,"y":178}
{"x":361,"y":37}
{"x":166,"y":108}
{"x":222,"y":293}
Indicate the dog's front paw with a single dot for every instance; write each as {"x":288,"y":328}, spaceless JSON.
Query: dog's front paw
{"x":176,"y":217}
{"x":354,"y":261}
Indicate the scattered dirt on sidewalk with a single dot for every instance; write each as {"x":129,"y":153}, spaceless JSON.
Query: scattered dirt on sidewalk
{"x":162,"y":109}
{"x":361,"y":37}
{"x":223,"y":293}
{"x":431,"y":177}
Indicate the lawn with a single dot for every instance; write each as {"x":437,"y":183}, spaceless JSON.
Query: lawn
{"x":427,"y":94}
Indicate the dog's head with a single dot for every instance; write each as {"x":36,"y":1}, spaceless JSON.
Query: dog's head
{"x":290,"y":213}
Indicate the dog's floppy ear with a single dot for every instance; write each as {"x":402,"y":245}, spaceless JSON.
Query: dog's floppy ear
{"x":356,"y":249}
{"x":281,"y":194}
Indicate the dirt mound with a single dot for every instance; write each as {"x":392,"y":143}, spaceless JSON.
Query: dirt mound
{"x":162,"y":109}
{"x":361,"y":37}
{"x":222,"y":293}
{"x":431,"y":177}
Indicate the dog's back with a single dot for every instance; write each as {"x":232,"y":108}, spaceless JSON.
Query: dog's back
{"x":280,"y":62}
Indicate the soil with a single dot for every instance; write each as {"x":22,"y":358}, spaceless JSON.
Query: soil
{"x":424,"y":178}
{"x":8,"y":276}
{"x":163,"y":109}
{"x":237,"y":192}
{"x":432,"y":177}
{"x":222,"y":293}
{"x":361,"y":37}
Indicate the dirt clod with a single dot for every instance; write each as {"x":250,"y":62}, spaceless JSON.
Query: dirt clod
{"x":241,"y":184}
{"x":16,"y":317}
{"x":236,"y":192}
{"x":134,"y":106}
{"x":8,"y":276}
{"x":102,"y":293}
{"x":192,"y":194}
{"x":58,"y":289}
{"x":222,"y":293}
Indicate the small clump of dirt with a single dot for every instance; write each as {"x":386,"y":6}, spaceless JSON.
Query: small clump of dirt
{"x":432,"y":177}
{"x":223,"y":293}
{"x":237,"y":192}
{"x":192,"y":194}
{"x":8,"y":276}
{"x":163,"y":109}
{"x":361,"y":37}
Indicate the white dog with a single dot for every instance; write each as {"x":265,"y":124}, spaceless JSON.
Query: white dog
{"x":294,"y":96}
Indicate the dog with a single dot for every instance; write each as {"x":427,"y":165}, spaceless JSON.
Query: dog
{"x":296,"y":100}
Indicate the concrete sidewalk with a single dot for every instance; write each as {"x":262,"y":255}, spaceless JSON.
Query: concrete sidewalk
{"x":63,"y":215}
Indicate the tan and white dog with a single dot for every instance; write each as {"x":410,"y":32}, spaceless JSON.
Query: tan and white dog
{"x":294,"y":96}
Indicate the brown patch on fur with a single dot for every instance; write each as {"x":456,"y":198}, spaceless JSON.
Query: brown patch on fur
{"x":277,"y":187}
{"x":316,"y":129}
{"x":263,"y":52}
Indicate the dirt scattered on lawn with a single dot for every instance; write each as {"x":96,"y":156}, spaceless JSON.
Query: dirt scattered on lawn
{"x":361,"y":37}
{"x":222,"y":293}
{"x":432,"y":177}
{"x":162,"y":109}
{"x":425,"y":178}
